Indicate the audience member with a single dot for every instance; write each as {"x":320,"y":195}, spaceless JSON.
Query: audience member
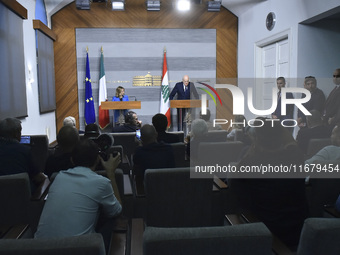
{"x":67,"y":139}
{"x":240,"y":124}
{"x":315,"y":129}
{"x":332,"y":106}
{"x":280,"y":203}
{"x":71,"y":121}
{"x":131,"y":123}
{"x":91,"y":131}
{"x":78,"y":196}
{"x":316,"y":102}
{"x":118,"y":115}
{"x":210,"y":124}
{"x":199,"y":130}
{"x":330,"y":152}
{"x":152,"y":154}
{"x":160,"y":122}
{"x":15,"y":157}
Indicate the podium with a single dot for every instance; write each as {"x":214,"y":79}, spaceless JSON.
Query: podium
{"x":120,"y":105}
{"x":180,"y":104}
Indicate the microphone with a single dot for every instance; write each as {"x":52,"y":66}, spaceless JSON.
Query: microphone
{"x":134,"y":97}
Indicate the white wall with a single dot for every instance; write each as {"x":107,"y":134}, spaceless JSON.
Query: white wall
{"x":289,"y":14}
{"x":35,"y":123}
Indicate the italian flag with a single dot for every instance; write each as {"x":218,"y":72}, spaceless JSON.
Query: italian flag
{"x":104,"y":118}
{"x":165,"y":92}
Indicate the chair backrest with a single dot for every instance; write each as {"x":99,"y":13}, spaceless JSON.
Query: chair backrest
{"x":15,"y":193}
{"x":180,"y":135}
{"x":246,"y":239}
{"x":317,"y":144}
{"x":127,"y":140}
{"x":76,"y":245}
{"x":39,"y":149}
{"x":221,"y":153}
{"x":176,"y":200}
{"x":320,"y":236}
{"x":217,"y":135}
{"x":179,"y":153}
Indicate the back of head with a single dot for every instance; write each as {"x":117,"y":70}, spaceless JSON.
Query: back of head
{"x":69,"y":121}
{"x":10,"y":128}
{"x":314,"y":119}
{"x":206,"y":116}
{"x":199,"y":127}
{"x":160,"y":122}
{"x":85,"y":153}
{"x":129,"y":118}
{"x":67,"y":138}
{"x":148,"y":134}
{"x":91,"y":130}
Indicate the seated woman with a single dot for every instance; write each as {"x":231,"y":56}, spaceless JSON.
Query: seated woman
{"x":119,"y":114}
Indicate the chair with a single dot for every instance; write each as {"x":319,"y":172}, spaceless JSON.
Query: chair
{"x":315,"y":145}
{"x":16,"y":206}
{"x":76,"y":245}
{"x":179,"y":153}
{"x":320,"y":236}
{"x":217,"y":135}
{"x":128,"y":141}
{"x":39,"y":149}
{"x":221,"y":153}
{"x":173,"y":199}
{"x":250,"y":239}
{"x":180,"y":135}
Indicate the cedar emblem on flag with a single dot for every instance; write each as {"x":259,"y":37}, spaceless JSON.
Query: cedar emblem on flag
{"x":165,"y":92}
{"x":90,"y":115}
{"x":104,"y":117}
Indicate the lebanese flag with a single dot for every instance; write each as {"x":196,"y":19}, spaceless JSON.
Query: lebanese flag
{"x":104,"y":117}
{"x":165,"y":92}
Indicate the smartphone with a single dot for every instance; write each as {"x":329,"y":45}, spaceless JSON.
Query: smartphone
{"x":25,"y":139}
{"x":138,"y":134}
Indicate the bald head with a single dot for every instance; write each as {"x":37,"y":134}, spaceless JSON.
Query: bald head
{"x":186,"y":80}
{"x":148,"y":134}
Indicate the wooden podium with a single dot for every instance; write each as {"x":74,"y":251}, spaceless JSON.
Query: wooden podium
{"x":180,"y":104}
{"x":121,"y":106}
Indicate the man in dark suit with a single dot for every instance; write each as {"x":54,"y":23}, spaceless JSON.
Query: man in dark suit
{"x":185,"y":90}
{"x":277,"y":114}
{"x":332,"y":106}
{"x":316,"y":102}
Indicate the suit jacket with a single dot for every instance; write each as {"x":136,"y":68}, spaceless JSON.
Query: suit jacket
{"x":316,"y":102}
{"x":191,"y":93}
{"x":289,"y":109}
{"x":332,"y":106}
{"x":117,"y":112}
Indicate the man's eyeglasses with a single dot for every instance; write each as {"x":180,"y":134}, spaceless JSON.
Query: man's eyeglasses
{"x":336,"y":76}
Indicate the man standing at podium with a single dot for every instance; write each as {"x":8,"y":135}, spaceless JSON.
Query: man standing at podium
{"x":185,"y":90}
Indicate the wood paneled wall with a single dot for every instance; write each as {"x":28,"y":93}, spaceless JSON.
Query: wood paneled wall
{"x":135,"y":15}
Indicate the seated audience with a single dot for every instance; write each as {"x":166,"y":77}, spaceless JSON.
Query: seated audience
{"x":78,"y":196}
{"x":71,"y":121}
{"x":199,"y":129}
{"x":330,"y":152}
{"x":15,"y":157}
{"x":210,"y":124}
{"x":160,"y":122}
{"x":315,"y":129}
{"x":131,"y":123}
{"x":152,"y":154}
{"x":67,"y":139}
{"x":240,"y":124}
{"x":279,"y":203}
{"x":91,"y":131}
